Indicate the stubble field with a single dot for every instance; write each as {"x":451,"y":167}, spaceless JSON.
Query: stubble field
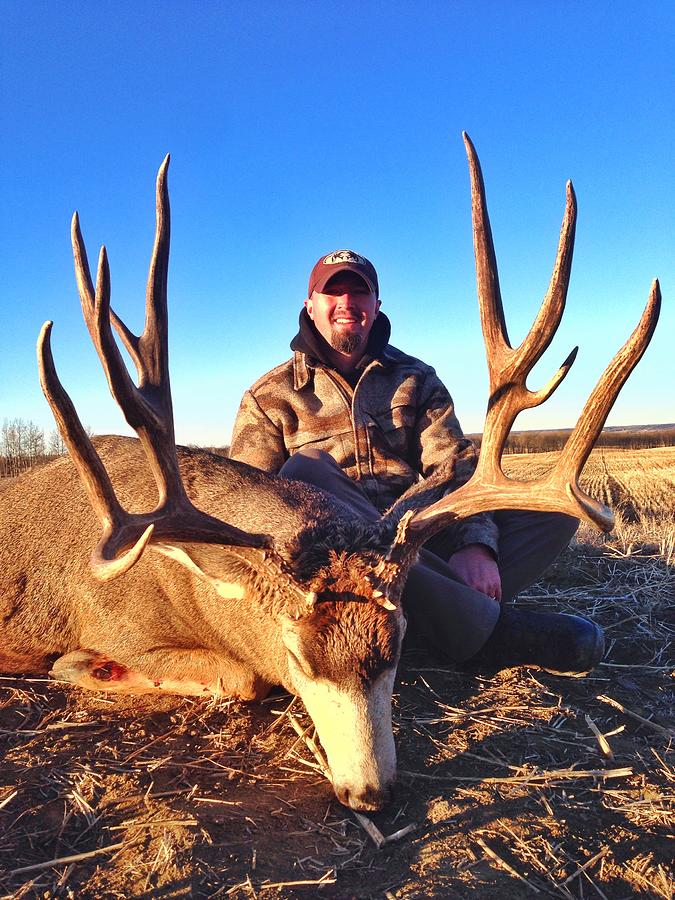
{"x":510,"y":785}
{"x":639,"y":485}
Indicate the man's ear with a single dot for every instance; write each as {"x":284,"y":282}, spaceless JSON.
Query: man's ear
{"x":309,"y":306}
{"x":378,"y":304}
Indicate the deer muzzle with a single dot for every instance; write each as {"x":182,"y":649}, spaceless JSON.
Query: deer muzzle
{"x":354,"y":725}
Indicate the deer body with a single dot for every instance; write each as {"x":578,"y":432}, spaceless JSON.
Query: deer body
{"x":219,"y":629}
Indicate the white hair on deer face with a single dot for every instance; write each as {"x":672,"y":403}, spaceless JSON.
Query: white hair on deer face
{"x":342,"y":661}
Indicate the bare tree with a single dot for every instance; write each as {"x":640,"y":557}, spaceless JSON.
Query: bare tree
{"x":35,"y":443}
{"x":56,"y":446}
{"x":22,"y":445}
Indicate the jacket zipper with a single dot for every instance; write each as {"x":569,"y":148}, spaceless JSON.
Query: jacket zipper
{"x":344,"y":390}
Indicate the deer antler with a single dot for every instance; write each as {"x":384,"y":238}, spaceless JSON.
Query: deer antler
{"x":489,"y":488}
{"x":147,"y":408}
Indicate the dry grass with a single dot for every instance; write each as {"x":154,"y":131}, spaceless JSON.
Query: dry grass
{"x":512,"y":785}
{"x":639,"y":485}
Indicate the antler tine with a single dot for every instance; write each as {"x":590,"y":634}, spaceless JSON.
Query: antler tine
{"x":154,"y":340}
{"x":121,"y":386}
{"x":154,"y":382}
{"x":128,"y":338}
{"x":92,"y":472}
{"x":600,"y":402}
{"x":91,"y":469}
{"x":552,"y":308}
{"x":82,"y":274}
{"x":155,"y":335}
{"x":487,"y":277}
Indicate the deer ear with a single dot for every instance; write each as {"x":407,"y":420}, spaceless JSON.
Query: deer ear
{"x":294,"y":643}
{"x":226,"y":572}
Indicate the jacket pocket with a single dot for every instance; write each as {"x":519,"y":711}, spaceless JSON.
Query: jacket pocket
{"x":339,"y":444}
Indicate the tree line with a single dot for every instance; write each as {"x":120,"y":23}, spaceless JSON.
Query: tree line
{"x":23,"y":444}
{"x":614,"y":438}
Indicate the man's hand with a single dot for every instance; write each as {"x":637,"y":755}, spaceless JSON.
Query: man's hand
{"x":476,"y":566}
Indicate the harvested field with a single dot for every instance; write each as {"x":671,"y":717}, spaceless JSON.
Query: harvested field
{"x":510,"y":785}
{"x":640,"y":481}
{"x":639,"y":485}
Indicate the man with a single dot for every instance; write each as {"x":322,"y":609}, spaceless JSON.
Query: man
{"x":359,"y":418}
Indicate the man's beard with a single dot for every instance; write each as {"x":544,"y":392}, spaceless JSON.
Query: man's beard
{"x":344,"y":343}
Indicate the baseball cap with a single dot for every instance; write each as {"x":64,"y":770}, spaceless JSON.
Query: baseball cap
{"x":342,"y":261}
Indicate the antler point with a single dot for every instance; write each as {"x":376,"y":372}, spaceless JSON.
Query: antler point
{"x":162,"y":171}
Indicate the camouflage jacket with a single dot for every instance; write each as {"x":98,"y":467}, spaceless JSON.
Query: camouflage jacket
{"x":397,"y":425}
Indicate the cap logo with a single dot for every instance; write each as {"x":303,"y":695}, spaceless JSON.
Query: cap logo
{"x":343,"y":256}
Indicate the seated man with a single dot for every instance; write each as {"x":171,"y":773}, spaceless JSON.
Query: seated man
{"x":363,"y":420}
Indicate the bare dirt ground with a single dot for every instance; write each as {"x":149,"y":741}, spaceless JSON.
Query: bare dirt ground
{"x":509,"y":785}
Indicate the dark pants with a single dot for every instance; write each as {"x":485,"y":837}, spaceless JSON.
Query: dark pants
{"x":454,"y":617}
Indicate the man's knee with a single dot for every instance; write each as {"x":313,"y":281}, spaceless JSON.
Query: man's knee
{"x":528,"y":543}
{"x":307,"y":460}
{"x":562,"y":525}
{"x":450,"y":615}
{"x":558,"y":526}
{"x":320,"y":469}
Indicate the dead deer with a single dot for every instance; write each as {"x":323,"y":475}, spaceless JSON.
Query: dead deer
{"x":238,"y":580}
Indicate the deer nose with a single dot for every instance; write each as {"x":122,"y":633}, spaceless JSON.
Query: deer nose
{"x":366,"y":799}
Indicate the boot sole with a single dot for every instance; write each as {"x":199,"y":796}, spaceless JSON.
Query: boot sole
{"x":597,"y":653}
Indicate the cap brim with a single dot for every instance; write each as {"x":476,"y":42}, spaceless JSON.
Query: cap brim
{"x":322,"y":282}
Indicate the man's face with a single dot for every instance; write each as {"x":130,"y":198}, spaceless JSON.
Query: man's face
{"x":344,"y":313}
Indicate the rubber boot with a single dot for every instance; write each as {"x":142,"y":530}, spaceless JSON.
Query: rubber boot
{"x":558,"y":643}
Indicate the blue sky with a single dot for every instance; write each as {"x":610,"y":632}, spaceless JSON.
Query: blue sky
{"x":299,"y":128}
